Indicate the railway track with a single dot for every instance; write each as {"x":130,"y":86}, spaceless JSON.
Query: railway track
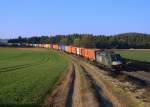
{"x":136,"y":85}
{"x":82,"y":86}
{"x":135,"y":77}
{"x":138,"y":80}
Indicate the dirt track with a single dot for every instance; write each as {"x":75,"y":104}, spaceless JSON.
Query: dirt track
{"x":84,"y":86}
{"x":78,"y":89}
{"x":102,"y":95}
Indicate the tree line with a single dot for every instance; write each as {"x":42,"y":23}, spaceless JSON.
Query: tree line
{"x":120,"y":41}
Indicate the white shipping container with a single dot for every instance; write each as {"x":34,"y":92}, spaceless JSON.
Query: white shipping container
{"x":47,"y":46}
{"x":66,"y":48}
{"x":63,"y":48}
{"x":78,"y":51}
{"x":35,"y":45}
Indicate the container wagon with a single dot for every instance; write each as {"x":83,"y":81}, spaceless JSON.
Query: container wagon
{"x":82,"y":52}
{"x":102,"y":57}
{"x":61,"y":47}
{"x":56,"y":47}
{"x":85,"y":53}
{"x":78,"y":51}
{"x":68,"y":49}
{"x":40,"y":45}
{"x":91,"y":54}
{"x":47,"y":46}
{"x":43,"y":45}
{"x":74,"y":50}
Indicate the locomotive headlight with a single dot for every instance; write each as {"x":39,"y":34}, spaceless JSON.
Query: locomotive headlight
{"x":114,"y":63}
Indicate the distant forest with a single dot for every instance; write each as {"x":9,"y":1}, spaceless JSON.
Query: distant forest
{"x":120,"y":41}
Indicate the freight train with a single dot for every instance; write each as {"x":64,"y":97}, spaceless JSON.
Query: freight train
{"x":104,"y":58}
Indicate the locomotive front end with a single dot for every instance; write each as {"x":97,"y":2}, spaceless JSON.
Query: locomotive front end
{"x":117,"y":62}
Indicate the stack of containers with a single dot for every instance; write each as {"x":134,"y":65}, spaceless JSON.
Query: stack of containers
{"x":33,"y":45}
{"x":56,"y":47}
{"x":43,"y":45}
{"x":81,"y":52}
{"x":92,"y":54}
{"x":63,"y":48}
{"x":74,"y":50}
{"x":18,"y":44}
{"x":29,"y":44}
{"x":68,"y":49}
{"x":86,"y":53}
{"x":60,"y":47}
{"x":40,"y":45}
{"x":47,"y":46}
{"x":78,"y":51}
{"x":36,"y":45}
{"x":50,"y":46}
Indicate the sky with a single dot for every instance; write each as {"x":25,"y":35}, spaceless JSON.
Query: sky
{"x":50,"y":17}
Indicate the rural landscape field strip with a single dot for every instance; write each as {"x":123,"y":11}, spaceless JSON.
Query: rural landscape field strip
{"x":36,"y":62}
{"x":89,"y":89}
{"x":15,"y":69}
{"x":26,"y":59}
{"x":138,"y":55}
{"x":8,"y":54}
{"x":36,"y":77}
{"x":30,"y":77}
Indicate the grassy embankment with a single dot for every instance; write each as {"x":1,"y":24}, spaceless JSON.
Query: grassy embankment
{"x":26,"y":75}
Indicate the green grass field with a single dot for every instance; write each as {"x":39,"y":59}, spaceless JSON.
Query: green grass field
{"x":139,"y":55}
{"x":26,"y":75}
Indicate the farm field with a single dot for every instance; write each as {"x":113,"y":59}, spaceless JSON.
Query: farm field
{"x":27,"y":75}
{"x":139,"y":55}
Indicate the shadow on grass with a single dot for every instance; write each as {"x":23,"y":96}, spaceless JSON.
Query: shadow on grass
{"x":134,"y":65}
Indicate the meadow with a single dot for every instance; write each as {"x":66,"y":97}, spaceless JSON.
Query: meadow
{"x":138,"y":55}
{"x":27,"y":75}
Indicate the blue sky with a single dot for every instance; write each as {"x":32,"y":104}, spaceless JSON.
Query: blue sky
{"x":50,"y":17}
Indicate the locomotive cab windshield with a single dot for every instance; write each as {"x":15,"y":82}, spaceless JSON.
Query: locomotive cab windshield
{"x":116,"y":60}
{"x":116,"y":57}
